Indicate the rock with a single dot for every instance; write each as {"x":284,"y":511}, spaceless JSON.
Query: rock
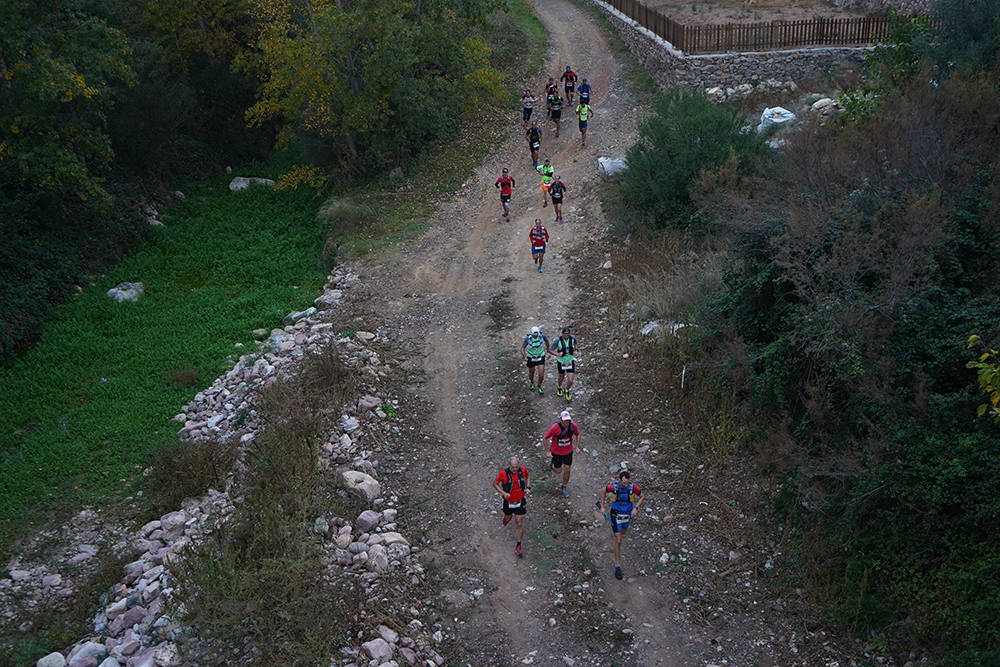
{"x":243,"y":182}
{"x":345,"y":441}
{"x":179,"y":196}
{"x":110,"y":662}
{"x":365,"y":336}
{"x":259,"y":333}
{"x":409,"y":655}
{"x":609,"y":166}
{"x":172,"y":524}
{"x":367,"y":520}
{"x":393,"y":538}
{"x":378,"y":559}
{"x":396,"y":174}
{"x":377,"y":649}
{"x":166,"y":654}
{"x":774,"y":116}
{"x":367,"y":402}
{"x":83,"y":662}
{"x":321,"y":526}
{"x":650,"y":327}
{"x":715,"y":94}
{"x":127,"y":291}
{"x":52,"y":660}
{"x":19,"y":575}
{"x":149,"y":527}
{"x":80,"y":557}
{"x":328,"y":298}
{"x":117,"y":609}
{"x":388,"y":634}
{"x":145,"y":659}
{"x":293,"y":317}
{"x":389,"y":515}
{"x":87,"y":651}
{"x":363,"y":482}
{"x":134,"y":615}
{"x":52,"y":580}
{"x":349,"y":424}
{"x":343,"y":541}
{"x":606,"y":265}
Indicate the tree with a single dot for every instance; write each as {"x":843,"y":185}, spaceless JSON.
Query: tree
{"x":988,"y":373}
{"x":372,"y":79}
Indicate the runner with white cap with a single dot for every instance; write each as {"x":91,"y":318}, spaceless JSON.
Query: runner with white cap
{"x":564,"y":434}
{"x":533,"y":351}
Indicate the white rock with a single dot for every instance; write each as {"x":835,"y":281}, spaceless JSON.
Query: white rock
{"x":87,"y":650}
{"x":610,"y":166}
{"x":388,"y":634}
{"x":390,"y":538}
{"x":244,"y":182}
{"x":110,"y":662}
{"x":52,"y":660}
{"x":365,"y":336}
{"x":117,"y":609}
{"x":349,"y":424}
{"x":650,"y":327}
{"x":127,"y":291}
{"x":328,"y":298}
{"x":172,"y":524}
{"x":378,"y":559}
{"x":606,"y":265}
{"x":321,"y":526}
{"x":367,"y":520}
{"x":363,"y":482}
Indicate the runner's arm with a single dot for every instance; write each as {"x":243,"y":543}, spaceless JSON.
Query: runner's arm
{"x":504,"y":494}
{"x":527,"y":481}
{"x":638,"y":502}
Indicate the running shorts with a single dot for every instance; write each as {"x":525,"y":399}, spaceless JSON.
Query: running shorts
{"x":559,"y":460}
{"x":537,"y":249}
{"x":556,"y":114}
{"x":536,"y":362}
{"x":619,"y":522}
{"x":567,"y":369}
{"x":505,"y":198}
{"x":545,"y":186}
{"x":527,"y":113}
{"x":583,"y":125}
{"x":516,"y":508}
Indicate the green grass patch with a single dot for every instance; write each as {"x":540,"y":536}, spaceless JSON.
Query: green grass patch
{"x":89,"y":402}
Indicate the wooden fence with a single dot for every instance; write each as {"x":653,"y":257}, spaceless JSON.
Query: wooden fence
{"x":756,"y":36}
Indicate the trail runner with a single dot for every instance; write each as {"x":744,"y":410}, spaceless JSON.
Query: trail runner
{"x":533,"y":352}
{"x":627,"y":499}
{"x":506,"y":186}
{"x":513,"y":483}
{"x":539,"y":237}
{"x":564,"y":434}
{"x":564,"y":350}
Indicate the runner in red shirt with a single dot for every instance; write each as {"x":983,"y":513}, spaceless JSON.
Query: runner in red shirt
{"x":569,"y":77}
{"x":506,"y":185}
{"x":539,"y":237}
{"x":513,"y":483}
{"x":564,"y":434}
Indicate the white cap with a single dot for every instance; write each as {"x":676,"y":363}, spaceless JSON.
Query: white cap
{"x":535,"y":330}
{"x":565,"y":415}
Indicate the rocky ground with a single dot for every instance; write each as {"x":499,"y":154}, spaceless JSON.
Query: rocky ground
{"x":432,"y":332}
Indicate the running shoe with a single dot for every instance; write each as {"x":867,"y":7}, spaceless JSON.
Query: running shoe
{"x":559,"y":391}
{"x":569,"y":396}
{"x":539,"y":269}
{"x":506,"y":519}
{"x":518,"y":550}
{"x":535,"y":259}
{"x":618,"y":572}
{"x":565,"y":491}
{"x":531,"y":388}
{"x":540,"y":391}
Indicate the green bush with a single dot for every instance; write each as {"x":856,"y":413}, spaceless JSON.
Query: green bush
{"x":687,"y":137}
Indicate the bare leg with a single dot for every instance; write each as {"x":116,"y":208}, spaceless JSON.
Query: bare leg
{"x":518,"y":527}
{"x":541,"y":257}
{"x":565,"y":475}
{"x":569,"y":381}
{"x":618,"y":548}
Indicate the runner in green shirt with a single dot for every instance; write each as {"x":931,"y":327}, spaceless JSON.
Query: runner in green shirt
{"x":584,"y":112}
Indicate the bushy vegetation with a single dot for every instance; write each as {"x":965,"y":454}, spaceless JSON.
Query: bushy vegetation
{"x":257,"y":584}
{"x":860,"y":261}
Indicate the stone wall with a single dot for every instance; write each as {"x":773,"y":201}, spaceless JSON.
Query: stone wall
{"x":669,"y":67}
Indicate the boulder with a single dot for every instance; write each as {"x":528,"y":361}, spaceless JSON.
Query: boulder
{"x":388,"y":634}
{"x":377,"y":649}
{"x":378,"y":559}
{"x":52,"y":660}
{"x":244,"y":182}
{"x":127,"y":291}
{"x":610,"y":166}
{"x":172,"y":524}
{"x":367,"y":520}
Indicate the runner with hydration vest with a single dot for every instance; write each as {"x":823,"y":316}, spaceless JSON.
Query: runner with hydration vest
{"x":534,"y":136}
{"x":585,"y":89}
{"x":569,"y":77}
{"x":533,"y":352}
{"x":513,"y":483}
{"x":584,"y":112}
{"x":564,"y":350}
{"x":539,"y":236}
{"x":556,"y":190}
{"x":527,"y":106}
{"x":564,"y":434}
{"x":506,"y":186}
{"x":627,"y":499}
{"x":547,"y":171}
{"x":557,"y":107}
{"x":550,"y":93}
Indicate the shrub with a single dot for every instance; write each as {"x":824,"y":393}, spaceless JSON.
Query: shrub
{"x":687,"y":137}
{"x":181,"y":469}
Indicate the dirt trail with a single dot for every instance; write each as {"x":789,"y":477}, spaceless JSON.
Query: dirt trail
{"x":471,"y":294}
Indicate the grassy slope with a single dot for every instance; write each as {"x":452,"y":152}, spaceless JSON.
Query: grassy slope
{"x":87,"y":403}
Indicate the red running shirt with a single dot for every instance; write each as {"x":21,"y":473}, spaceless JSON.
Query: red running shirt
{"x":516,"y":493}
{"x":539,"y":237}
{"x":562,"y":443}
{"x":505,"y":183}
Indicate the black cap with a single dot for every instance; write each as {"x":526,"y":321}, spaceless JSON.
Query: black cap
{"x":505,"y":170}
{"x":565,"y":329}
{"x":624,"y":474}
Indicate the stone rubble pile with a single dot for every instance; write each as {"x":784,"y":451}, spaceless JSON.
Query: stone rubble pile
{"x":135,"y":629}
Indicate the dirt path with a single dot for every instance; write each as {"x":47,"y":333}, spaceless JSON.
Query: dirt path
{"x":472,"y":293}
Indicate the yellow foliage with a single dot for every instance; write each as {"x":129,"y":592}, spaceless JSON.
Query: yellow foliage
{"x":301,"y":174}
